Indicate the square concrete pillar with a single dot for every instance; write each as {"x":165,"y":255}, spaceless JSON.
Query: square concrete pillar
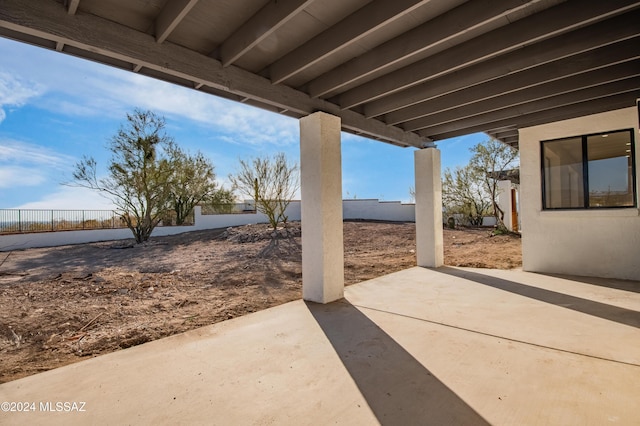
{"x":429,"y":239}
{"x":321,"y":193}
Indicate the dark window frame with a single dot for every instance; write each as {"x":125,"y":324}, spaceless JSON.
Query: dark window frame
{"x":585,"y":172}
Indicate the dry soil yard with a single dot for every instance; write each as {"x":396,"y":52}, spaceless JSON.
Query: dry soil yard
{"x":60,"y":305}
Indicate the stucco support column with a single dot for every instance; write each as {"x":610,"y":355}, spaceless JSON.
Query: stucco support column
{"x":429,"y":239}
{"x":504,"y":202}
{"x":321,"y":196}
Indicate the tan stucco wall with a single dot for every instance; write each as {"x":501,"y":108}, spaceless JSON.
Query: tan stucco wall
{"x":604,"y":243}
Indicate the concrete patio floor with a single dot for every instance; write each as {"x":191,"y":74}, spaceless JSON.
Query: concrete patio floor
{"x":443,"y":347}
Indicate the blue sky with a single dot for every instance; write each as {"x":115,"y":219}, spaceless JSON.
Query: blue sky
{"x":55,"y":108}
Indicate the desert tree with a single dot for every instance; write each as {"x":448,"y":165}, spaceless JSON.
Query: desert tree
{"x":472,"y":190}
{"x":490,"y":160}
{"x":222,"y":201}
{"x":270,"y":182}
{"x":192,"y":182}
{"x":464,"y":194}
{"x":139,"y":172}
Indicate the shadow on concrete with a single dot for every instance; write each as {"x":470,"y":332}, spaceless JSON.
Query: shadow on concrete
{"x":398,"y":389}
{"x":633,"y":286}
{"x":590,"y":307}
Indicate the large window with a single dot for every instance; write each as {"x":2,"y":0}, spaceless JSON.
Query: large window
{"x":594,"y":171}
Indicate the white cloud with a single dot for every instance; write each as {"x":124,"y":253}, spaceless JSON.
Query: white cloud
{"x":30,"y":154}
{"x":70,"y":198}
{"x":17,"y":176}
{"x":15,"y":92}
{"x":99,"y":91}
{"x":27,"y":165}
{"x":239,"y":123}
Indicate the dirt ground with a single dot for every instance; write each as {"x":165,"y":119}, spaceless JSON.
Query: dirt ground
{"x":63,"y":304}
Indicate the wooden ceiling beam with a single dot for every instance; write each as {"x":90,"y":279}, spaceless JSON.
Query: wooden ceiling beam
{"x":72,"y":6}
{"x":532,"y":29}
{"x":600,"y":34}
{"x":46,"y":20}
{"x":553,"y":75}
{"x":503,"y":134}
{"x":170,"y":16}
{"x":566,"y":99}
{"x":530,"y":93}
{"x":582,"y":109}
{"x":346,"y":32}
{"x":573,"y":73}
{"x":588,"y":107}
{"x":509,"y":140}
{"x":260,"y":26}
{"x":442,"y":28}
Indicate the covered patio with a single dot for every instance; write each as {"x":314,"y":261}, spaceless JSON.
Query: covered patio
{"x":408,"y":73}
{"x":421,"y":346}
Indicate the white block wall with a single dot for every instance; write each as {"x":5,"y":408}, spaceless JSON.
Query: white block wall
{"x":373,"y":209}
{"x":353,"y":209}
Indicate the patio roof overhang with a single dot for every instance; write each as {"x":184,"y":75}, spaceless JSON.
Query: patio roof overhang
{"x":406,"y":72}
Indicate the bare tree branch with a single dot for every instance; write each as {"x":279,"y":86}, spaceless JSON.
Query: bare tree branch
{"x":270,"y":182}
{"x":473,"y":190}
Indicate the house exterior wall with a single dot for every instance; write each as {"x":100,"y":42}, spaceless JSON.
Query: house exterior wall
{"x":604,"y":242}
{"x":504,"y":202}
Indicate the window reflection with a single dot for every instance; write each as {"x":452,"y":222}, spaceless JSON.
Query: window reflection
{"x":589,"y":171}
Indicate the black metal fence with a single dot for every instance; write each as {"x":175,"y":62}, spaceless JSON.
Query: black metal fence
{"x":15,"y":221}
{"x":22,"y":221}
